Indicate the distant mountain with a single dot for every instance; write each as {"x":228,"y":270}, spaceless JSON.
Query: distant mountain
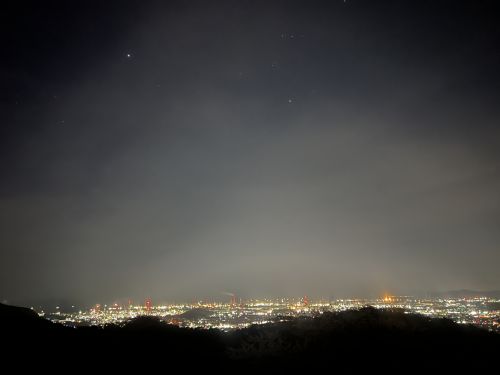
{"x":466,"y":293}
{"x":354,"y":340}
{"x":195,"y":314}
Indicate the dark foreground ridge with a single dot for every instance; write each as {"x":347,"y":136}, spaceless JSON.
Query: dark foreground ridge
{"x":365,"y":339}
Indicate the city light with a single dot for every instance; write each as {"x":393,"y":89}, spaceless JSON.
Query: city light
{"x":479,"y":311}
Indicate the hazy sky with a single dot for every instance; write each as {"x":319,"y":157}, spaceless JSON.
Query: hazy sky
{"x":181,"y":149}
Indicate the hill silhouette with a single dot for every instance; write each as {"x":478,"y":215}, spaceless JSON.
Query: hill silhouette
{"x":196,"y":313}
{"x":365,"y":339}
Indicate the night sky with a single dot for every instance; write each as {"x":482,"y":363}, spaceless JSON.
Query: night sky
{"x":186,"y":149}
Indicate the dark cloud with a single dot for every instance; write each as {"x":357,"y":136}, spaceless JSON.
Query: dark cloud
{"x":183,"y":150}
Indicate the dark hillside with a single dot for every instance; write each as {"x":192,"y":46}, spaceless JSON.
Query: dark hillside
{"x":366,"y":339}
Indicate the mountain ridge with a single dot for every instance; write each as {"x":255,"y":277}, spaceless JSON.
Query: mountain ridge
{"x":336,"y":339}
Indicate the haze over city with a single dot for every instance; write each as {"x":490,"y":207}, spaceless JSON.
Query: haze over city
{"x":189,"y":150}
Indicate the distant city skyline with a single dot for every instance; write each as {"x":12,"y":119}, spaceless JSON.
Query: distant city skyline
{"x":231,"y":298}
{"x":480,"y":311}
